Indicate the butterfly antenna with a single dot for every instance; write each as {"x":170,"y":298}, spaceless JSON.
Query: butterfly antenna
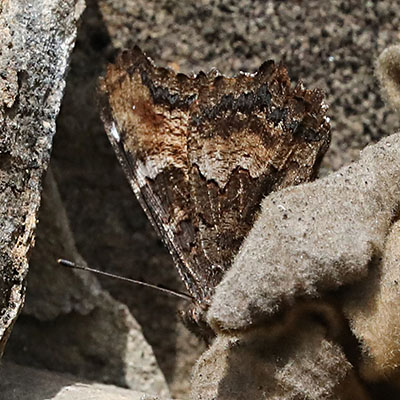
{"x":70,"y":264}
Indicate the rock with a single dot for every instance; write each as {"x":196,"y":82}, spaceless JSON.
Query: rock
{"x":332,"y":46}
{"x":320,"y":44}
{"x":388,"y":72}
{"x":24,"y":383}
{"x":87,"y":331}
{"x":311,"y":239}
{"x":373,"y":309}
{"x":301,"y":363}
{"x":36,"y":40}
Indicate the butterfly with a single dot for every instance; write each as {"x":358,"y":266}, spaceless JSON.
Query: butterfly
{"x":201,"y":151}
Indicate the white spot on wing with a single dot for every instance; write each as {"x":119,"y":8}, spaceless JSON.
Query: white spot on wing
{"x":114,"y":132}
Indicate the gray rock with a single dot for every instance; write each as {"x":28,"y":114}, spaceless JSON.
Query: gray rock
{"x":264,"y":364}
{"x":36,"y":40}
{"x":330,"y":45}
{"x":87,"y":332}
{"x":312,"y":238}
{"x":24,"y":383}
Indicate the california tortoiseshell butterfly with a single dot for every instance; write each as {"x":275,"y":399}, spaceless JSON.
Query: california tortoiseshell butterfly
{"x":201,"y":152}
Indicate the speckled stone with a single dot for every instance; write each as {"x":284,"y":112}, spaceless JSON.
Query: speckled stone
{"x":36,"y":40}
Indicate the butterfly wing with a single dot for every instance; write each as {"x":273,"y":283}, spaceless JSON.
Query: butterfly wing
{"x":202,"y":151}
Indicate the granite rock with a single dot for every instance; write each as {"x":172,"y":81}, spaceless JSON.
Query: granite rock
{"x":331,"y":45}
{"x":36,"y":40}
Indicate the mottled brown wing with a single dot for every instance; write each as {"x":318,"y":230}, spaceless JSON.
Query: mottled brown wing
{"x":202,"y":151}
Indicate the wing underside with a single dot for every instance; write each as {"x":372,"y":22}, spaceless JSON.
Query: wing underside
{"x":202,"y":151}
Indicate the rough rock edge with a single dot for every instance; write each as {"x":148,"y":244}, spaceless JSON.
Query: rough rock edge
{"x":24,"y":383}
{"x":86,"y":329}
{"x":36,"y":41}
{"x":301,"y":363}
{"x":373,"y":311}
{"x":312,"y":238}
{"x":373,"y":306}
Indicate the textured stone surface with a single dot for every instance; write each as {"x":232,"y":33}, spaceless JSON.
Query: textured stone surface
{"x":265,"y":364}
{"x":24,"y":383}
{"x":373,"y":309}
{"x":86,"y":329}
{"x":36,"y":39}
{"x":388,"y":73}
{"x":307,"y":241}
{"x":331,"y":44}
{"x":312,"y":238}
